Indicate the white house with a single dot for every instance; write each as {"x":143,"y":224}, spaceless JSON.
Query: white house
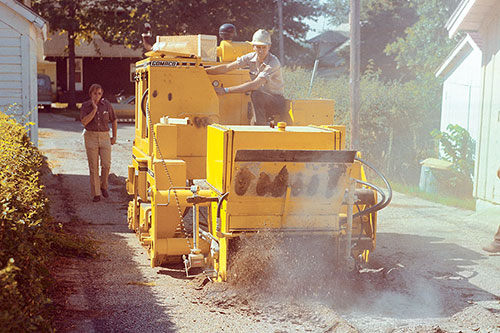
{"x":22,"y":33}
{"x":461,"y":72}
{"x":483,"y":16}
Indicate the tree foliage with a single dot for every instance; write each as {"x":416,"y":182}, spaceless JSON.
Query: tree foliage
{"x":405,"y":38}
{"x":395,"y":118}
{"x":79,"y":19}
{"x":426,"y":43}
{"x":122,"y":21}
{"x":177,"y":17}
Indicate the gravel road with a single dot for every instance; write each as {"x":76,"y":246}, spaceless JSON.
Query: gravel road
{"x":428,"y":273}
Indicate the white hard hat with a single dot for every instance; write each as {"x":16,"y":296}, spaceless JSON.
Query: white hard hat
{"x":261,"y":37}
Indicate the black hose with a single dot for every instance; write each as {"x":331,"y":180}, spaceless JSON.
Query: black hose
{"x":373,"y":208}
{"x":385,"y":199}
{"x":142,"y":101}
{"x":360,"y":225}
{"x":219,"y":207}
{"x":219,"y":203}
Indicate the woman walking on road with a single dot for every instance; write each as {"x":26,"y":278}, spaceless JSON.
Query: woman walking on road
{"x":95,"y":115}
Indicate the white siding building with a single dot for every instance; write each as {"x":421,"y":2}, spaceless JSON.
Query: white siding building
{"x":461,"y":72}
{"x":483,"y":16}
{"x":22,"y":33}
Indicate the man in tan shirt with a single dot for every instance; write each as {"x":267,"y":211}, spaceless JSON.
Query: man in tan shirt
{"x":266,"y":87}
{"x":95,"y":115}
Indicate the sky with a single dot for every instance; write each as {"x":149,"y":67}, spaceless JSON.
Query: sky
{"x":317,"y":27}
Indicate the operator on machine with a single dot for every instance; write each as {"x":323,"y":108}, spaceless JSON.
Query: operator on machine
{"x":227,"y":31}
{"x":266,"y":87}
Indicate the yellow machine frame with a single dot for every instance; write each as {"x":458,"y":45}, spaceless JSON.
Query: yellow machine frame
{"x":177,"y":113}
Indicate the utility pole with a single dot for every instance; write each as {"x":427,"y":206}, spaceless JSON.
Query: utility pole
{"x":280,"y":22}
{"x":354,"y":71}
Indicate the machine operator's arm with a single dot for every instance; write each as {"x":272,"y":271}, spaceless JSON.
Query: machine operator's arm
{"x":221,"y":69}
{"x":242,"y":88}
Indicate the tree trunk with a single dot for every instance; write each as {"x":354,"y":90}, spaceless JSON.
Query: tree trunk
{"x":71,"y":69}
{"x":71,"y":66}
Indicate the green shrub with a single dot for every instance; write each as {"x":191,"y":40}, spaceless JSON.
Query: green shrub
{"x":457,"y":147}
{"x":24,"y":246}
{"x":395,"y":118}
{"x":29,"y":238}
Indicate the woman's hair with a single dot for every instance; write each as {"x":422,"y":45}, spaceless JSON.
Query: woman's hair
{"x":94,"y":87}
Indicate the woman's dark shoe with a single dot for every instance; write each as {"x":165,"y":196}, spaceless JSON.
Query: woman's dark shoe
{"x":97,"y":198}
{"x":104,"y":193}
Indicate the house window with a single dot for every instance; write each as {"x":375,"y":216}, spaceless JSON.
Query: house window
{"x":78,"y":74}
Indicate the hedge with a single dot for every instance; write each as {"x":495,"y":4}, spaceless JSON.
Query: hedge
{"x":25,"y":229}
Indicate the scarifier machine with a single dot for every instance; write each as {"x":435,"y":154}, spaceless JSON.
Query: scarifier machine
{"x":197,"y":158}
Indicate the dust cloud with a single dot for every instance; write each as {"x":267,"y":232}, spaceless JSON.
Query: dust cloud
{"x":307,"y":269}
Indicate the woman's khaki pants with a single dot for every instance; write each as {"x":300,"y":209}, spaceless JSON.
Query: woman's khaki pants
{"x":98,"y":146}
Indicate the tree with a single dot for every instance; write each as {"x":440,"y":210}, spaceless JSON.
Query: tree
{"x":79,"y":20}
{"x":177,"y":17}
{"x":122,"y":21}
{"x":404,"y":38}
{"x":426,"y":43}
{"x":382,"y":21}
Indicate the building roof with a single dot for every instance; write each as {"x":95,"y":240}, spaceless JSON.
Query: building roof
{"x":469,"y":16}
{"x":330,"y":37}
{"x":56,"y":46}
{"x":28,"y":14}
{"x":462,"y":50}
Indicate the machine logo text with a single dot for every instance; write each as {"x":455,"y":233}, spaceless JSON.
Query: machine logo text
{"x":164,"y":63}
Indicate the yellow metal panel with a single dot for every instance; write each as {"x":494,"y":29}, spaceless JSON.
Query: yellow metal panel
{"x":312,"y":111}
{"x":229,"y":51}
{"x":180,"y":92}
{"x":216,"y":155}
{"x":296,"y":138}
{"x":166,"y":136}
{"x":165,"y":218}
{"x":144,"y":216}
{"x":233,"y":108}
{"x":157,"y":175}
{"x":192,"y":140}
{"x":254,"y":222}
{"x":167,"y":197}
{"x":262,"y":206}
{"x":196,"y":167}
{"x":171,"y":247}
{"x":316,"y":188}
{"x":165,"y":213}
{"x":168,"y":247}
{"x":129,"y":184}
{"x":139,"y":154}
{"x":142,"y":185}
{"x":204,"y":46}
{"x":143,"y":145}
{"x":293,"y":222}
{"x":340,"y":139}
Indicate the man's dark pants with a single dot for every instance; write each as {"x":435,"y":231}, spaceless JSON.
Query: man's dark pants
{"x":267,"y":105}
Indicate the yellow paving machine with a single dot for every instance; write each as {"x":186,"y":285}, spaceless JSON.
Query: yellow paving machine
{"x":196,"y":157}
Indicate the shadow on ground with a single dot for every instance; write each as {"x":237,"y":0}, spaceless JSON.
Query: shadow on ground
{"x":109,"y":293}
